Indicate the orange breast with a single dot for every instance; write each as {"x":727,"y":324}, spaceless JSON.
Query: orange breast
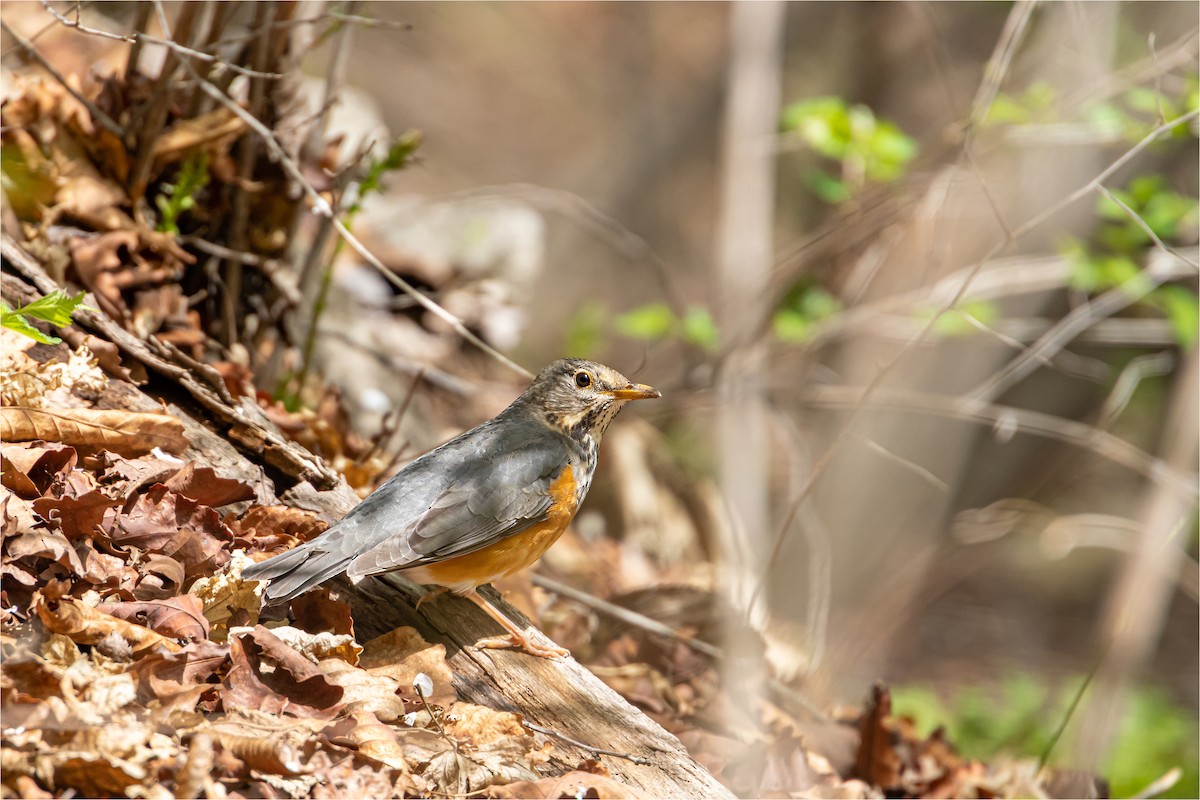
{"x":511,"y":553}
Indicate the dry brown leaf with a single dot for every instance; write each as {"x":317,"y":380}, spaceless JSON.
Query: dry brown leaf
{"x":127,"y":475}
{"x":124,"y":432}
{"x":207,"y":131}
{"x":29,"y":470}
{"x":43,"y":544}
{"x":204,"y":486}
{"x":78,"y":517}
{"x":265,"y":754}
{"x":86,"y":625}
{"x":272,"y":529}
{"x":161,"y":521}
{"x":92,"y":199}
{"x":401,"y":655}
{"x":226,"y":594}
{"x":179,"y":618}
{"x":365,"y":692}
{"x":16,"y":514}
{"x":317,"y":647}
{"x":362,"y":731}
{"x":877,"y":763}
{"x":162,"y":675}
{"x":92,"y":774}
{"x":270,"y":676}
{"x":494,"y":748}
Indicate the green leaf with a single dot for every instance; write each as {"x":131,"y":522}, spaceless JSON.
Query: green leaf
{"x":55,"y":308}
{"x":958,"y":321}
{"x":890,"y":151}
{"x":1164,"y":212}
{"x":1183,"y":311}
{"x":804,"y":307}
{"x":15,"y":322}
{"x":397,"y":157}
{"x":1108,"y":119}
{"x":789,"y":325}
{"x":827,"y":187}
{"x":822,"y":122}
{"x":700,"y":330}
{"x":178,"y":197}
{"x":651,"y":322}
{"x":1107,"y":208}
{"x":1006,"y":110}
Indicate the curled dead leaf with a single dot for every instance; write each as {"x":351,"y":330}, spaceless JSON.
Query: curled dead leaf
{"x":91,"y":774}
{"x":316,"y":612}
{"x":124,"y":432}
{"x":86,"y":625}
{"x":207,"y":131}
{"x":270,"y":676}
{"x":29,"y":470}
{"x":161,"y":521}
{"x":179,"y":618}
{"x":316,"y":647}
{"x":43,"y":544}
{"x":265,"y":754}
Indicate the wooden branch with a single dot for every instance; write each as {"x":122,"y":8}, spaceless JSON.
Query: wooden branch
{"x":587,"y":717}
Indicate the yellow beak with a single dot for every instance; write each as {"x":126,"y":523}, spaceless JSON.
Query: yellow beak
{"x":634,"y":391}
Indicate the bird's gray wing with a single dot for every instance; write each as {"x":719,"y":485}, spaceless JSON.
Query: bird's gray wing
{"x":498,"y":485}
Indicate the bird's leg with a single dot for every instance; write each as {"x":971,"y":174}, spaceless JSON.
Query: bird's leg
{"x":431,"y":595}
{"x":516,"y":637}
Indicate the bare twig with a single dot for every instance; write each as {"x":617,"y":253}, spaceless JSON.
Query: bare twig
{"x":1160,"y":785}
{"x":1150,"y":365}
{"x":141,"y":37}
{"x":998,"y":65}
{"x":1141,"y":223}
{"x":904,"y":463}
{"x":104,"y":119}
{"x":601,"y":751}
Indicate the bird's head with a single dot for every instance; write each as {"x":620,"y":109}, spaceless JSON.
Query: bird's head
{"x":582,"y":397}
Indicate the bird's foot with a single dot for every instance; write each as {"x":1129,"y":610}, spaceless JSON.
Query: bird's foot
{"x":428,"y":596}
{"x":524,"y":641}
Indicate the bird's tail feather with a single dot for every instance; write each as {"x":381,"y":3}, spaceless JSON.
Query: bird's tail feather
{"x":295,"y":572}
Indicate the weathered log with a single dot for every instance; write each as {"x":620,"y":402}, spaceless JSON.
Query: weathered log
{"x":560,"y":696}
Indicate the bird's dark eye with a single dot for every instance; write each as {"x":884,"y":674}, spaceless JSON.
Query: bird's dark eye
{"x":583,"y":380}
